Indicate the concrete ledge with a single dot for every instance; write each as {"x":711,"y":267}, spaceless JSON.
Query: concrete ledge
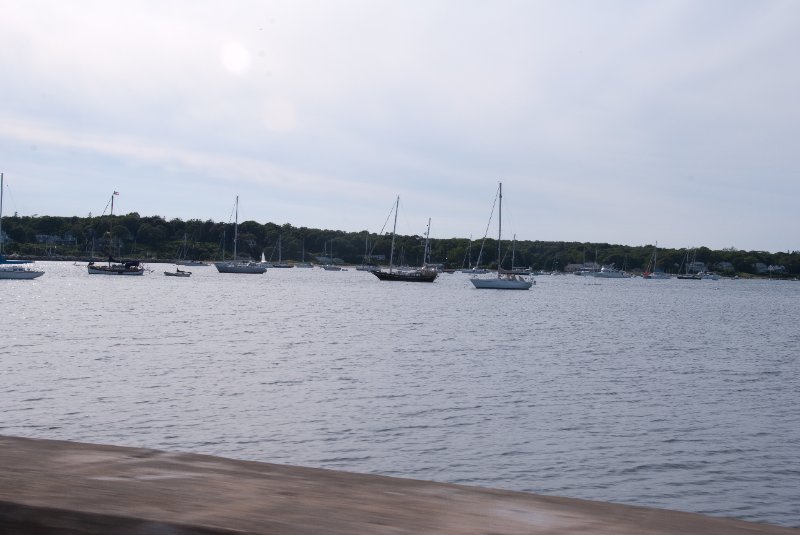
{"x":56,"y":487}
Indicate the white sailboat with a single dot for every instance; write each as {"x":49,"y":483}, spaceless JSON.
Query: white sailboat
{"x":235,"y":266}
{"x":503,"y":281}
{"x":10,"y":269}
{"x":650,"y":272}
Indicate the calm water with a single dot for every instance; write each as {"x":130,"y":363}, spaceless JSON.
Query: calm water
{"x":674,"y":394}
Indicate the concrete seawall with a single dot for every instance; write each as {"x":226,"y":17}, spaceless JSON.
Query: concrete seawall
{"x":56,"y":487}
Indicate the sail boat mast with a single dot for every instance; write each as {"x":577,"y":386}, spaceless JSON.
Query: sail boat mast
{"x":426,"y":252}
{"x":394,"y":233}
{"x":236,"y":231}
{"x":499,"y":226}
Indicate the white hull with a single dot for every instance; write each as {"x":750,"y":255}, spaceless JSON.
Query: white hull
{"x":610,"y":275}
{"x":193,"y":263}
{"x":501,"y":284}
{"x":19,"y":273}
{"x":231,"y":267}
{"x":303,"y":266}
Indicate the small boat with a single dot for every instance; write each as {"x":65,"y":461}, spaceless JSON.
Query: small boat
{"x":235,"y":266}
{"x":112,"y":267}
{"x":15,"y":271}
{"x":178,"y":273}
{"x":416,"y":275}
{"x":503,"y":281}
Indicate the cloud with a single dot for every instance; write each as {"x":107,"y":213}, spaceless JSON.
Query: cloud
{"x":596,"y":116}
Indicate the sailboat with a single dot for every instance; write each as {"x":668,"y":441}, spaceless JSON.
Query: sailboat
{"x":281,"y":263}
{"x":650,"y":272}
{"x":112,"y":267}
{"x":515,"y":270}
{"x":184,"y":252}
{"x":504,"y":281}
{"x":303,"y":263}
{"x":10,"y":269}
{"x":330,"y":266}
{"x":688,"y":262}
{"x":234,"y":266}
{"x":366,"y":265}
{"x":417,"y":275}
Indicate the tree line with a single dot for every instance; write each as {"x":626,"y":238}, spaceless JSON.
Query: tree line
{"x":154,"y":238}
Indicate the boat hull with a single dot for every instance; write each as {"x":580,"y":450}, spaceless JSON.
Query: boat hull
{"x":414,"y":276}
{"x":115,"y":269}
{"x":20,"y":273}
{"x":501,"y":284}
{"x":228,"y":267}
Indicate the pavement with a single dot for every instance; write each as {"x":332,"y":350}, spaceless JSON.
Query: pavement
{"x":54,"y":487}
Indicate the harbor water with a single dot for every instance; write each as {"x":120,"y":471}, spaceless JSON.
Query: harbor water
{"x":666,"y":393}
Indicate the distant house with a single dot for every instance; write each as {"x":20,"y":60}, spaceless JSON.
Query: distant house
{"x":760,"y":267}
{"x":697,"y":267}
{"x":776,"y":269}
{"x":67,"y":239}
{"x":724,"y":266}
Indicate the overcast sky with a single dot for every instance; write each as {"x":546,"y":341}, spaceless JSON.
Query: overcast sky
{"x":625,"y":122}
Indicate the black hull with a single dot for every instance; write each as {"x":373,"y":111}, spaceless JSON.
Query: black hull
{"x":405,"y":277}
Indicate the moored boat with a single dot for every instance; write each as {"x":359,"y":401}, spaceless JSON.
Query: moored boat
{"x":415,"y":275}
{"x":15,"y":271}
{"x":4,"y":261}
{"x":114,"y":267}
{"x":178,"y":273}
{"x":503,"y":281}
{"x":235,"y":266}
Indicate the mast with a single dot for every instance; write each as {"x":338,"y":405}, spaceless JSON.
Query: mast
{"x":513,"y":251}
{"x":111,"y":229}
{"x":236,"y":231}
{"x":425,"y":251}
{"x":499,"y":227}
{"x":394,"y":233}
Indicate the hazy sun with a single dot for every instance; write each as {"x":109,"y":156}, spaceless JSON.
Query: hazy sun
{"x":235,"y":58}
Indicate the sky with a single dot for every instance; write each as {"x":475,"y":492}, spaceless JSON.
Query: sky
{"x":625,"y":122}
